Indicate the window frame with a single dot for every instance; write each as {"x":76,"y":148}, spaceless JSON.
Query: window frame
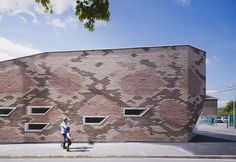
{"x":32,"y":107}
{"x":12,"y":109}
{"x":105,"y":118}
{"x":29,"y":130}
{"x":137,"y":108}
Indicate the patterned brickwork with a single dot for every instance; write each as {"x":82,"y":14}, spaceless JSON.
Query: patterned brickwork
{"x":168,"y":80}
{"x":210,"y":107}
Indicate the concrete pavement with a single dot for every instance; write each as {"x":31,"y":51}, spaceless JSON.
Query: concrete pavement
{"x":219,"y":130}
{"x":216,"y":150}
{"x":121,"y":150}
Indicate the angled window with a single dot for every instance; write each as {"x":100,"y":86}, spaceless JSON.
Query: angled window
{"x":6,"y":111}
{"x":135,"y":112}
{"x":38,"y":110}
{"x":94,"y":120}
{"x":35,"y":127}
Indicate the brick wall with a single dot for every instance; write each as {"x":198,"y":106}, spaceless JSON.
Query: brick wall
{"x":168,"y":81}
{"x":210,"y":107}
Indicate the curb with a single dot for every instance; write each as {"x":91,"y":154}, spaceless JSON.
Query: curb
{"x":111,"y":156}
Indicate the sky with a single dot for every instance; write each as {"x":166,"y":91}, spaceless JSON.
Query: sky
{"x":209,"y":25}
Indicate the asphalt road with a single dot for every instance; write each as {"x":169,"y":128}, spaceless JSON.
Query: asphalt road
{"x":118,"y":160}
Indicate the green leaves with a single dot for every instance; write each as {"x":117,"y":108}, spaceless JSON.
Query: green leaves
{"x":46,"y":4}
{"x":87,"y":11}
{"x":228,"y":109}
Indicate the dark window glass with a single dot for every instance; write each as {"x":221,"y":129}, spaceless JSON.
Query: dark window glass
{"x":94,"y":119}
{"x":134,"y":111}
{"x":39,"y":110}
{"x":36,"y":126}
{"x":5,"y":111}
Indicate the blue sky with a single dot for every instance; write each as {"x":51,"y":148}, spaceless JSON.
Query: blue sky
{"x":206,"y":24}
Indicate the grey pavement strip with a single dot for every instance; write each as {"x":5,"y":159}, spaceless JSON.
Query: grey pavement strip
{"x":223,"y":149}
{"x":78,"y":156}
{"x":206,"y":150}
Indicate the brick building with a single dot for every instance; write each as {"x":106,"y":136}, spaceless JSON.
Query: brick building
{"x":131,"y":94}
{"x":210,"y":107}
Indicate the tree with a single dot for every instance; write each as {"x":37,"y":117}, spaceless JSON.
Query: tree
{"x":228,"y":109}
{"x":87,"y":11}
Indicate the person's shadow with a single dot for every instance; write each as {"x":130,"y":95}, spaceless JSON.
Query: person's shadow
{"x":80,"y":149}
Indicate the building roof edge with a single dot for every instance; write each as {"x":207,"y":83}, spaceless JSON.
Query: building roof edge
{"x":103,"y":49}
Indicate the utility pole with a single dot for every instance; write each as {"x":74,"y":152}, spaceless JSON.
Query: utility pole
{"x":234,"y":107}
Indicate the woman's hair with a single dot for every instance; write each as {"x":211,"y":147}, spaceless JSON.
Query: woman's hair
{"x":68,"y":129}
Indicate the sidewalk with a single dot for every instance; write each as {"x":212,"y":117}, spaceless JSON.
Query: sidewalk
{"x":121,"y":150}
{"x":219,"y":130}
{"x":215,"y":150}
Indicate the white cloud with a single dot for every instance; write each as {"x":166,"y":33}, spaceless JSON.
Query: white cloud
{"x":213,"y":60}
{"x":5,"y":56}
{"x":72,"y":22}
{"x":60,"y":7}
{"x":17,"y":7}
{"x":0,"y":18}
{"x":184,"y":2}
{"x":24,"y":9}
{"x":62,"y":23}
{"x":30,"y":11}
{"x":24,"y":20}
{"x":10,"y":50}
{"x":58,"y":23}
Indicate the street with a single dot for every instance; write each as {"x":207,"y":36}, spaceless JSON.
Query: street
{"x":118,"y":160}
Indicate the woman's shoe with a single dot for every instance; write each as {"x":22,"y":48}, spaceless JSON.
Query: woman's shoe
{"x":63,"y":146}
